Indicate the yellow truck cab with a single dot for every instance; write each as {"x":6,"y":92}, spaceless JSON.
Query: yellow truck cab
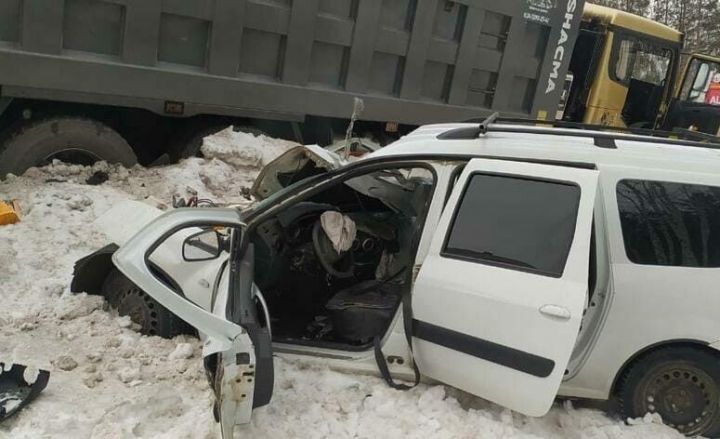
{"x":622,"y":70}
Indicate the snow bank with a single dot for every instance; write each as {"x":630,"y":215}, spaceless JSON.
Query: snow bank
{"x":107,"y":381}
{"x":243,"y":149}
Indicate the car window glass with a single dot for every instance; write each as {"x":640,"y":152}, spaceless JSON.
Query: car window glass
{"x":515,"y":222}
{"x":670,"y":223}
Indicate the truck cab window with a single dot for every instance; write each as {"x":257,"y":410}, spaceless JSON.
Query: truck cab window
{"x":702,"y":83}
{"x":644,"y":67}
{"x":642,"y":62}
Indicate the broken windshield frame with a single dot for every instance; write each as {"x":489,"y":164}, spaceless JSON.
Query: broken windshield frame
{"x":275,"y":197}
{"x":390,"y":179}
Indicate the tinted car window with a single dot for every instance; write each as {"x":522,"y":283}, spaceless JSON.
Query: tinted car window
{"x":670,"y":223}
{"x":515,"y":222}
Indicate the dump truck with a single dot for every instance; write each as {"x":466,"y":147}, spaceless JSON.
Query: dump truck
{"x":124,"y":80}
{"x":145,"y":80}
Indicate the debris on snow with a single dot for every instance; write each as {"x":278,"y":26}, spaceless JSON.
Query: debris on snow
{"x":9,"y":212}
{"x":92,"y":379}
{"x":93,"y":358}
{"x":79,"y":202}
{"x":65,"y":362}
{"x":129,"y":374}
{"x":98,"y":177}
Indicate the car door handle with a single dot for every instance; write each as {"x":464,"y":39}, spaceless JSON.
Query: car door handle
{"x":555,"y":311}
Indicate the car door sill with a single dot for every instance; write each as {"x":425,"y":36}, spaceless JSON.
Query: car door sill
{"x":294,"y":349}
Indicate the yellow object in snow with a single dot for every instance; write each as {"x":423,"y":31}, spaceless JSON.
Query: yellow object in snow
{"x":9,"y":212}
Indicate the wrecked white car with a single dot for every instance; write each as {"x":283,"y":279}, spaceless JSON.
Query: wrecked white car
{"x":516,"y":265}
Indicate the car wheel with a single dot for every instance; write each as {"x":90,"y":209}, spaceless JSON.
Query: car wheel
{"x":70,"y":139}
{"x":682,"y":385}
{"x":129,"y":300}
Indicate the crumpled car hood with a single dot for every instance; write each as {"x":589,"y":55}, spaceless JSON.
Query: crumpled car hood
{"x":293,"y":165}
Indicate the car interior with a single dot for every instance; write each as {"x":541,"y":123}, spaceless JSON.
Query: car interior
{"x":333,"y":267}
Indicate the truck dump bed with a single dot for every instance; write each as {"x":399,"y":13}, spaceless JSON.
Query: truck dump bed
{"x":412,"y":61}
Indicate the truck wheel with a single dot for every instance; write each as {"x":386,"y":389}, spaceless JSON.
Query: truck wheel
{"x":70,"y":139}
{"x":681,"y":384}
{"x":129,"y":300}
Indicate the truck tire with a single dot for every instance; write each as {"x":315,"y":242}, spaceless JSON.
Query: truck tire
{"x":682,"y":384}
{"x":70,"y":139}
{"x":129,"y":300}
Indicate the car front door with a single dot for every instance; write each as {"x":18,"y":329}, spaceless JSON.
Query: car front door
{"x":237,"y":346}
{"x":498,"y":301}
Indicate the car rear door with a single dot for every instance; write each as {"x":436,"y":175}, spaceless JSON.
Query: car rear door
{"x":498,"y":300}
{"x":237,"y":346}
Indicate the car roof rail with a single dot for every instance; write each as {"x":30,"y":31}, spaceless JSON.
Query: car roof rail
{"x":603,"y":136}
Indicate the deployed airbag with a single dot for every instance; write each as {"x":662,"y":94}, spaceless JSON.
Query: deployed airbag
{"x":340,"y":229}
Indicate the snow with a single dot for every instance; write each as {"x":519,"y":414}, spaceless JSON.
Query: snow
{"x":182,"y":350}
{"x":108,"y":381}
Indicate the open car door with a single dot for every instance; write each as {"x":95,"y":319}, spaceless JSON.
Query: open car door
{"x":498,"y":300}
{"x":237,"y":346}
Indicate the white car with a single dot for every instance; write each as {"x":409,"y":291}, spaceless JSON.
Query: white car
{"x":514,"y":262}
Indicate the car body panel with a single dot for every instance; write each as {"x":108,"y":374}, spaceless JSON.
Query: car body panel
{"x":652,"y":306}
{"x":236,"y":361}
{"x":127,"y":218}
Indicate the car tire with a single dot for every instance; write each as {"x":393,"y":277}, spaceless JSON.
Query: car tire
{"x":681,"y":384}
{"x":129,"y":300}
{"x":71,"y":139}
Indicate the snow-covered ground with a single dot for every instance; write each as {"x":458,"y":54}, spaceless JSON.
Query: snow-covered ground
{"x":108,"y":381}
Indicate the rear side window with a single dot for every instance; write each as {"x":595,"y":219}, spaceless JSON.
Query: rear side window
{"x":515,"y":222}
{"x":670,"y":223}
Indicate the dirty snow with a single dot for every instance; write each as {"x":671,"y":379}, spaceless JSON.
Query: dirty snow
{"x":108,"y":381}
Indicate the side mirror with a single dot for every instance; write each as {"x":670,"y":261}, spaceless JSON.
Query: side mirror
{"x":202,"y":246}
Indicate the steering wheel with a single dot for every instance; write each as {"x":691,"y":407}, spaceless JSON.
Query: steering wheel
{"x":341,"y":266}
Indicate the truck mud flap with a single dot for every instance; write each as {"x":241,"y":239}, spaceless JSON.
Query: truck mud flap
{"x":15,"y":392}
